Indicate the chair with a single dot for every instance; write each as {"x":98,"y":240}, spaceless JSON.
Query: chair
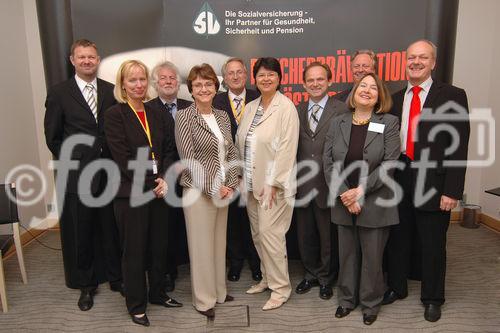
{"x":9,"y":215}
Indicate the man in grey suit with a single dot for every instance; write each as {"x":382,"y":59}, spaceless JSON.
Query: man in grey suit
{"x":317,"y":236}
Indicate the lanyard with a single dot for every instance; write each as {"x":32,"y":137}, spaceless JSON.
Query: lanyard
{"x":145,"y":128}
{"x":233,"y":107}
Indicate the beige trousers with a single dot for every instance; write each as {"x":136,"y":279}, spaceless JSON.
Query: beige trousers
{"x":206,"y":226}
{"x":269,"y":228}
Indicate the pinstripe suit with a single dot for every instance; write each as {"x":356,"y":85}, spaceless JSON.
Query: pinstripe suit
{"x":198,"y":147}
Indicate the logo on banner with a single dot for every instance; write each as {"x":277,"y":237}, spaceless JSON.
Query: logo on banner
{"x":206,"y":22}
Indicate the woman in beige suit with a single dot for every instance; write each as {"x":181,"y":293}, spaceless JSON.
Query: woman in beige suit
{"x":206,"y":149}
{"x":267,"y":139}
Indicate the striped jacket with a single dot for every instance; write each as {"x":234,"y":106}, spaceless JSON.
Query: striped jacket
{"x":198,"y":151}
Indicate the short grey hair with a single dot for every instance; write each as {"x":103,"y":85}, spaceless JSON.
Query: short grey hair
{"x":434,"y":47}
{"x":165,"y":64}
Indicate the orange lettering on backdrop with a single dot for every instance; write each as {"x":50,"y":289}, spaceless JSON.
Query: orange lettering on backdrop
{"x":380,"y":58}
{"x":284,"y":64}
{"x":330,"y":61}
{"x":387,"y":66}
{"x":252,"y":64}
{"x":395,"y":66}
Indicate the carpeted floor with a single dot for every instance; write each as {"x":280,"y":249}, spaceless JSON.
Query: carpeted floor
{"x":46,"y":305}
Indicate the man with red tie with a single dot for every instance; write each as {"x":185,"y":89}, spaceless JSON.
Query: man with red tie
{"x":426,"y":215}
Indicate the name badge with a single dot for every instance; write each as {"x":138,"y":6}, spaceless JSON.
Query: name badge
{"x":376,"y":127}
{"x":155,"y":167}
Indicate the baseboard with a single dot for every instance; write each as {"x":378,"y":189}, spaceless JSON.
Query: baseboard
{"x":490,"y":222}
{"x":27,"y":238}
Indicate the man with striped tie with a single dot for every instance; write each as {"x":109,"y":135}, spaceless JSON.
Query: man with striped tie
{"x":239,"y":239}
{"x":317,"y":236}
{"x":89,"y":235}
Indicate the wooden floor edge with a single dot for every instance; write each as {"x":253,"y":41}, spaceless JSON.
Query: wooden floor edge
{"x":490,"y":222}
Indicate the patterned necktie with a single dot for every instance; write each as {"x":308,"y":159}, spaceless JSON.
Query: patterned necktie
{"x":90,"y":97}
{"x":237,"y":107}
{"x":313,"y":120}
{"x":170,"y":107}
{"x":415,"y":108}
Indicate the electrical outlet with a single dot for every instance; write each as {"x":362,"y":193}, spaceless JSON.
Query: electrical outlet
{"x":49,"y":208}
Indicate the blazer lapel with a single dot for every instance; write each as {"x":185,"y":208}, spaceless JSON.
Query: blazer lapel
{"x":273,"y":106}
{"x":135,"y":122}
{"x":370,"y":135}
{"x":302,"y":110}
{"x":100,"y":97}
{"x":328,"y":112}
{"x":77,"y":95}
{"x":431,"y":96}
{"x":345,"y":128}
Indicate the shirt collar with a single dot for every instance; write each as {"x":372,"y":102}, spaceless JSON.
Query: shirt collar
{"x":232,"y":95}
{"x":82,"y":83}
{"x":426,"y":85}
{"x":164,"y":101}
{"x":321,"y":103}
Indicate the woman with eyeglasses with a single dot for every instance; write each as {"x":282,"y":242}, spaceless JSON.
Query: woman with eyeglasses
{"x":209,"y":178}
{"x":267,"y":140}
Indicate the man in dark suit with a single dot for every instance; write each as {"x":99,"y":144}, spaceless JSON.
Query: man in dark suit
{"x":428,"y":217}
{"x":166,"y":81}
{"x":362,"y":63}
{"x":77,"y":106}
{"x":317,"y":236}
{"x":239,"y":239}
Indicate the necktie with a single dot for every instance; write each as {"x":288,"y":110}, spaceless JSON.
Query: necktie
{"x":313,"y":120}
{"x":91,"y":99}
{"x":415,"y":109}
{"x":237,"y":107}
{"x":170,"y":107}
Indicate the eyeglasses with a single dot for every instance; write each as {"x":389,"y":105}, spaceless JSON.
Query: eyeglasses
{"x":359,"y":66}
{"x":270,"y":75}
{"x":207,"y":85}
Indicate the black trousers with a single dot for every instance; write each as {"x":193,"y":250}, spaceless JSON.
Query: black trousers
{"x":143,"y":235}
{"x":90,"y":244}
{"x":239,"y":239}
{"x":422,"y":235}
{"x":318,"y":243}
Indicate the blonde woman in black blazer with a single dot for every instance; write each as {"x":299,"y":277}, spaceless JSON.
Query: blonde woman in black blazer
{"x":130,"y":126}
{"x":368,"y":136}
{"x":206,"y":149}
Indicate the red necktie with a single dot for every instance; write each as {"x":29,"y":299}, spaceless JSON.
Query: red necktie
{"x":412,"y":121}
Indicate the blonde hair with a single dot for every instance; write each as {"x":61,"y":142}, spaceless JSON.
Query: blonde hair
{"x":124,"y":70}
{"x":384,"y":102}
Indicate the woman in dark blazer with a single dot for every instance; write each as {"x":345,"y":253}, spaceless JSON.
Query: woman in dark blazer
{"x":359,"y":150}
{"x":140,"y":210}
{"x":206,"y":149}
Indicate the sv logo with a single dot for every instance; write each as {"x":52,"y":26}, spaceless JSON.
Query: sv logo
{"x":206,"y":22}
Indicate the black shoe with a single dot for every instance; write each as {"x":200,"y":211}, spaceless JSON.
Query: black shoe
{"x":369,"y":319}
{"x":325,"y":291}
{"x":210,"y":313}
{"x":167,"y":302}
{"x":390,"y":296}
{"x":233,"y":274}
{"x":144,"y":321}
{"x":257,"y":275}
{"x":432,"y":312}
{"x":86,"y":300}
{"x":117,"y":286}
{"x":169,"y":283}
{"x":305,"y":285}
{"x":342,"y":312}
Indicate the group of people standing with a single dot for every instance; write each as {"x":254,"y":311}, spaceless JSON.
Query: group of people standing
{"x":328,"y":159}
